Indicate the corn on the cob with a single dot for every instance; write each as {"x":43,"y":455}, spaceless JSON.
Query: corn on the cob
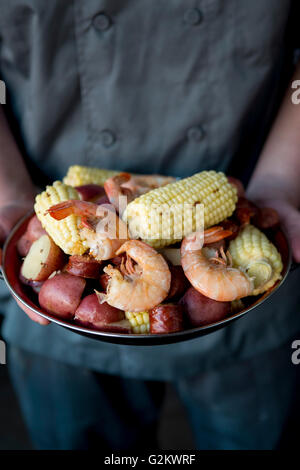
{"x":139,"y":322}
{"x":78,"y":175}
{"x":166,"y":215}
{"x":64,"y":232}
{"x":258,"y":257}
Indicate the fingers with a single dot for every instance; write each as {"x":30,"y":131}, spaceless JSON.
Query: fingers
{"x":33,"y":316}
{"x":291,"y":220}
{"x":9,"y":215}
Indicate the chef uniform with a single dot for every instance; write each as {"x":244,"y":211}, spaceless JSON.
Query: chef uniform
{"x":171,"y":87}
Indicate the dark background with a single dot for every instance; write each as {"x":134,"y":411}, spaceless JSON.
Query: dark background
{"x":174,"y":432}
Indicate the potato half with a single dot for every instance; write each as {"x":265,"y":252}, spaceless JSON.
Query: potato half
{"x":43,"y":258}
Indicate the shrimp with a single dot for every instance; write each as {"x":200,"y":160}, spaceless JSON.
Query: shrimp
{"x":142,"y":283}
{"x":118,"y":195}
{"x":141,"y":184}
{"x":130,"y":187}
{"x":101,"y":230}
{"x":210,"y":271}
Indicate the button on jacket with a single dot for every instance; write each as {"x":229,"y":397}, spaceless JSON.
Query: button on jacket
{"x":169,"y":87}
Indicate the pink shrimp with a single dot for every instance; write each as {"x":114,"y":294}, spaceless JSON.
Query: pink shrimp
{"x":140,"y":286}
{"x":141,"y":184}
{"x":123,"y":188}
{"x":210,"y":271}
{"x":101,"y":230}
{"x":118,"y":195}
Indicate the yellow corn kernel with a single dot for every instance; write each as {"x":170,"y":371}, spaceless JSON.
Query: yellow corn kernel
{"x":78,"y":175}
{"x":139,"y":322}
{"x":64,"y":232}
{"x":167,"y":214}
{"x":252,"y":252}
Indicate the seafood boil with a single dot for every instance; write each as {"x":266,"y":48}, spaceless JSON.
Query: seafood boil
{"x":147,"y":254}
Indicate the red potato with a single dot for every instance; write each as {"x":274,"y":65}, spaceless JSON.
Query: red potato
{"x":23,"y":245}
{"x":101,"y":315}
{"x":179,"y":282}
{"x":61,"y":294}
{"x":35,"y":285}
{"x":166,"y":318}
{"x":43,"y":258}
{"x":35,"y":229}
{"x":201,"y":310}
{"x":266,"y":218}
{"x":84,"y":266}
{"x":33,"y":232}
{"x":122,"y":326}
{"x":90,"y":192}
{"x":91,"y":310}
{"x":103,"y":280}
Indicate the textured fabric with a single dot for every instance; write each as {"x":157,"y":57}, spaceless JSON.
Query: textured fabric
{"x":69,"y":408}
{"x":121,"y":84}
{"x":246,"y":405}
{"x":242,"y":406}
{"x":148,"y":78}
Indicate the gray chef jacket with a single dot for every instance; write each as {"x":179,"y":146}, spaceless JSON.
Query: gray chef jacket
{"x":163,"y":86}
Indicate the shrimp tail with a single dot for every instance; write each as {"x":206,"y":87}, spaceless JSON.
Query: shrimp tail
{"x":62,"y":210}
{"x":86,"y":224}
{"x":114,"y":189}
{"x":196,"y":240}
{"x":215,"y":234}
{"x":101,"y":296}
{"x":73,"y":206}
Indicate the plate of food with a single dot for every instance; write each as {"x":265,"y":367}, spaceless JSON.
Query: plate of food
{"x":145,"y":259}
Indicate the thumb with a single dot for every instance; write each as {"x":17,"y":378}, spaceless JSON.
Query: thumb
{"x":33,"y":316}
{"x":290,"y":218}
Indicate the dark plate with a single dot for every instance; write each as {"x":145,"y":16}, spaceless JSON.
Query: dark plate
{"x":11,"y":266}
